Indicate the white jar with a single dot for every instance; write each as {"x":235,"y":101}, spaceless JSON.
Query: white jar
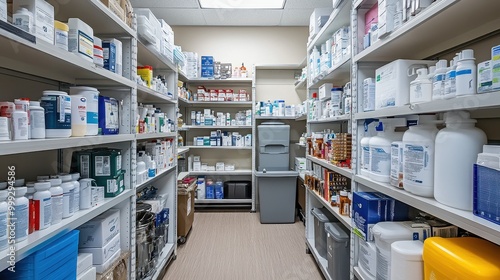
{"x":457,"y":147}
{"x":37,"y":120}
{"x":20,"y":124}
{"x":57,"y":105}
{"x":23,"y":19}
{"x":418,"y":156}
{"x":43,"y":205}
{"x":78,"y":115}
{"x":61,"y":34}
{"x":21,"y":213}
{"x":466,"y":74}
{"x":92,"y":95}
{"x":76,"y":190}
{"x":81,"y":39}
{"x":19,"y":182}
{"x":68,"y":199}
{"x":57,"y":200}
{"x":86,"y":193}
{"x":4,"y":232}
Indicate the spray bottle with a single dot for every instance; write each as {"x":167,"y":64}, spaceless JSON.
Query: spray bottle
{"x":365,"y":147}
{"x":380,"y":148}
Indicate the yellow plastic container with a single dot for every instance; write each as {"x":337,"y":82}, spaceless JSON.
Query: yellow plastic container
{"x":146,"y":73}
{"x":464,"y":258}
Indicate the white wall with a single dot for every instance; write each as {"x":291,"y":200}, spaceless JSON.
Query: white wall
{"x":251,"y":45}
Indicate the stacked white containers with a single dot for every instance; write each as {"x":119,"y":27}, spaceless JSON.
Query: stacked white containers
{"x":418,"y":156}
{"x":457,"y":146}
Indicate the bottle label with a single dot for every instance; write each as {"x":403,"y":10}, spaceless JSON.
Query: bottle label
{"x":365,"y":164}
{"x":57,"y":112}
{"x":450,"y":83}
{"x":417,"y":162}
{"x":438,"y":85}
{"x":464,"y":72}
{"x":380,"y":163}
{"x":21,"y":217}
{"x":396,"y":164}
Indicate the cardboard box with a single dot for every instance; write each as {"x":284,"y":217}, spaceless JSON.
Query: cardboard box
{"x":101,"y":255}
{"x":207,"y":61}
{"x":100,"y":230}
{"x":101,"y":268}
{"x":185,"y":210}
{"x":115,"y":7}
{"x":84,"y":263}
{"x":129,"y":11}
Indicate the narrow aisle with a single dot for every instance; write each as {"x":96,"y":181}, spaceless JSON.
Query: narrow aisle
{"x":236,"y":246}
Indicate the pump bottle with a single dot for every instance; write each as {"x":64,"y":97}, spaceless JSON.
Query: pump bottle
{"x":421,"y":87}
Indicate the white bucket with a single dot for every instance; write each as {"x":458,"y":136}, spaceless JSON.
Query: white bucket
{"x":92,"y":95}
{"x":78,"y":115}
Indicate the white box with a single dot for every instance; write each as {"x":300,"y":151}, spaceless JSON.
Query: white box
{"x":155,"y":25}
{"x":219,"y":166}
{"x":204,"y":167}
{"x":324,"y":91}
{"x":196,"y":158}
{"x":300,"y":163}
{"x":484,"y":77}
{"x":43,"y":17}
{"x":229,"y":167}
{"x":386,"y":12}
{"x":210,"y":168}
{"x":3,"y":10}
{"x":97,"y":195}
{"x":392,"y":82}
{"x":101,"y":255}
{"x":313,"y":20}
{"x":89,"y":274}
{"x":100,"y":268}
{"x":100,"y":230}
{"x":196,"y":166}
{"x":83,"y":263}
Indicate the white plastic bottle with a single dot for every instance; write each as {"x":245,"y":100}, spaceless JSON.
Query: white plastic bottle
{"x":68,"y":195}
{"x":396,"y":179}
{"x":466,"y":74}
{"x":418,"y":156}
{"x":380,"y":148}
{"x":421,"y":87}
{"x":20,"y":123}
{"x":457,"y":147}
{"x":450,"y":85}
{"x":76,"y":191}
{"x":43,"y":205}
{"x":3,"y":219}
{"x":21,"y":213}
{"x":85,"y":193}
{"x":57,"y":200}
{"x":78,"y":115}
{"x":365,"y":146}
{"x":37,"y":120}
{"x":23,"y":19}
{"x":438,"y":80}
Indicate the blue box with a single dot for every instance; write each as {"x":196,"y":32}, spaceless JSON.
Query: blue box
{"x":486,"y":199}
{"x":109,"y":55}
{"x":56,"y":260}
{"x":108,"y":114}
{"x":207,"y":61}
{"x":207,"y":71}
{"x":210,"y":192}
{"x":219,"y":191}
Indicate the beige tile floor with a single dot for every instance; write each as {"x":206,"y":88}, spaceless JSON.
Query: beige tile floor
{"x":236,"y":246}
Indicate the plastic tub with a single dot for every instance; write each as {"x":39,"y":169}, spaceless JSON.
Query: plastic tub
{"x":321,"y":217}
{"x":92,"y":95}
{"x":338,"y":249}
{"x":57,"y":105}
{"x":406,"y":260}
{"x":81,"y":39}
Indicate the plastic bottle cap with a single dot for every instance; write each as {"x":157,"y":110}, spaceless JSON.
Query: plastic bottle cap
{"x":75,"y":176}
{"x":315,"y":95}
{"x":441,"y":64}
{"x":31,"y":190}
{"x":42,"y":186}
{"x":432,"y":69}
{"x":3,"y":185}
{"x":67,"y":186}
{"x":65,"y":177}
{"x":19,"y":183}
{"x":54,"y":182}
{"x":3,"y":195}
{"x":20,"y":191}
{"x":56,"y":190}
{"x":422,"y":71}
{"x":467,"y":54}
{"x":35,"y":103}
{"x":61,"y":26}
{"x":458,"y":117}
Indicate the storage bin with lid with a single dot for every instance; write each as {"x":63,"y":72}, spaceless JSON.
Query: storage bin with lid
{"x":37,"y":120}
{"x":338,"y":248}
{"x":367,"y":259}
{"x":92,"y":95}
{"x":321,"y":217}
{"x":463,"y":258}
{"x":57,"y":105}
{"x":406,"y":260}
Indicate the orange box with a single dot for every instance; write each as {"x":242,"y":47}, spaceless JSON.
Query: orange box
{"x":462,"y":258}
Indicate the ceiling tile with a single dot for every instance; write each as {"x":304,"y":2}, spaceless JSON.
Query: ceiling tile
{"x":296,"y":17}
{"x":300,"y":4}
{"x":242,"y":17}
{"x":165,"y":4}
{"x":180,"y":16}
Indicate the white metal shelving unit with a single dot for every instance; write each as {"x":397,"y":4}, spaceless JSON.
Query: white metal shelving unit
{"x":240,"y":156}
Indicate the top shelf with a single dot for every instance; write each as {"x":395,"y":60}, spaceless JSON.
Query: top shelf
{"x":436,"y":29}
{"x":219,"y":104}
{"x":148,"y":55}
{"x":339,"y":17}
{"x":94,"y":13}
{"x":202,"y":81}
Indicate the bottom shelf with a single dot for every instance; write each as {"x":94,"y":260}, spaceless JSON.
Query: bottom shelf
{"x":162,"y":260}
{"x":322,"y":262}
{"x":239,"y":203}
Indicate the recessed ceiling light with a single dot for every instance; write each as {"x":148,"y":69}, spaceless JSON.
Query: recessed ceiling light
{"x":242,"y":4}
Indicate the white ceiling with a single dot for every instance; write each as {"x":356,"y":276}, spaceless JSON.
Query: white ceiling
{"x":188,"y":12}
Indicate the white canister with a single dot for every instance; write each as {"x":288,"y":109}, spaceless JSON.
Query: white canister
{"x":78,"y":115}
{"x":81,"y":39}
{"x":23,"y":19}
{"x":92,"y":95}
{"x":20,"y":124}
{"x":98,"y":52}
{"x":76,"y":191}
{"x":4,"y":232}
{"x":406,"y":260}
{"x":37,"y":120}
{"x":57,"y":200}
{"x":86,"y":193}
{"x":21,"y":213}
{"x":61,"y":34}
{"x":4,"y":129}
{"x":43,"y":205}
{"x":57,"y":105}
{"x":68,"y":199}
